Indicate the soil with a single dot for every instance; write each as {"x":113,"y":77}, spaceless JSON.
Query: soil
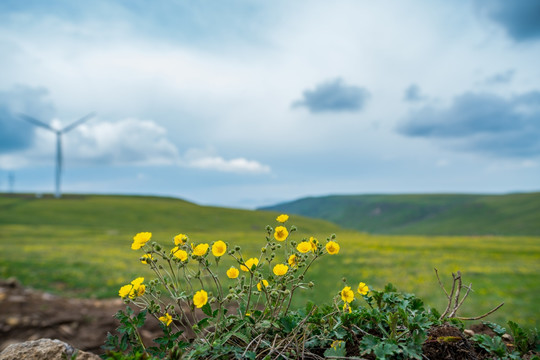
{"x":27,"y":314}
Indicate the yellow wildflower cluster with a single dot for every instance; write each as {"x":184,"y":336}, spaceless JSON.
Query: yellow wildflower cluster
{"x":287,"y":271}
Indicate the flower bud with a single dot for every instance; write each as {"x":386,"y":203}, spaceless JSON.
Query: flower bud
{"x":311,"y":284}
{"x":237,"y":248}
{"x":344,"y":279}
{"x":301,"y":277}
{"x":293,"y":228}
{"x":158,"y":247}
{"x":278,"y":246}
{"x":263,"y":250}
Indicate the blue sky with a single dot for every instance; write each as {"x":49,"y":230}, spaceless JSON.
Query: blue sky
{"x":249,"y":103}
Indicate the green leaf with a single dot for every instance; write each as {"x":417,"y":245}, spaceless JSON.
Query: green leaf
{"x":385,"y":350}
{"x":203,"y":323}
{"x":288,"y":324}
{"x":207,"y":309}
{"x":411,"y":351}
{"x":368,"y":343}
{"x":497,"y":329}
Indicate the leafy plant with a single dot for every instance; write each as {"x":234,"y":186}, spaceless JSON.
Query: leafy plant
{"x":244,"y":312}
{"x":524,"y":340}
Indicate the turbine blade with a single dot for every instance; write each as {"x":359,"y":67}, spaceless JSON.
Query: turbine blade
{"x":36,"y":122}
{"x":78,"y":122}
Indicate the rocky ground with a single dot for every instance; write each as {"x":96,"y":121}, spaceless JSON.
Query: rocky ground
{"x":27,"y":314}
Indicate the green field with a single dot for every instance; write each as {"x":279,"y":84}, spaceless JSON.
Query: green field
{"x":80,"y":246}
{"x":425,"y":214}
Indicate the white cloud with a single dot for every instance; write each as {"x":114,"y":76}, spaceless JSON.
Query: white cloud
{"x":201,"y":159}
{"x":238,"y":165}
{"x":126,"y":142}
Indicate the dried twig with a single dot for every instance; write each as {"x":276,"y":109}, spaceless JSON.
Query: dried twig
{"x":482,"y":316}
{"x":454,"y":301}
{"x":469,"y":288}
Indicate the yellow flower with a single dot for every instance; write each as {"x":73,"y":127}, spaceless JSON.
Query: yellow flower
{"x":293,"y":261}
{"x":139,"y":291}
{"x":219,"y":248}
{"x":281,"y":233}
{"x":336,"y":344}
{"x":313,"y":243}
{"x":140,"y":240}
{"x":146,"y":258}
{"x":347,"y":294}
{"x":180,"y":239}
{"x":347,"y":307}
{"x":280,"y":269}
{"x":125,"y":290}
{"x":304,"y":247}
{"x":249,"y":264}
{"x":200,"y":298}
{"x":363,"y":288}
{"x":261,"y":284}
{"x":233,"y":272}
{"x":166,"y":319}
{"x":282,"y":218}
{"x":200,"y":249}
{"x":136,"y":288}
{"x":332,"y":247}
{"x":138,"y":281}
{"x":179,"y":253}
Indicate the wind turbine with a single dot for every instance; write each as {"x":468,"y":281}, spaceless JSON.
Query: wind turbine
{"x":58,"y":133}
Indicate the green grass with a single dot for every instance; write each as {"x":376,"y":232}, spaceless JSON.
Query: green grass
{"x":442,"y":214}
{"x":80,"y":246}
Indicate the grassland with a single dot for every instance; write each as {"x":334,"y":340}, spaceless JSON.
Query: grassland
{"x":436,"y":214}
{"x":80,"y":246}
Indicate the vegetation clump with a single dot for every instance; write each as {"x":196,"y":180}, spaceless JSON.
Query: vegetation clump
{"x":243,"y":311}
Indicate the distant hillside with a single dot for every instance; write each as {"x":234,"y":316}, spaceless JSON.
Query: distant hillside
{"x":452,"y":214}
{"x":131,"y":214}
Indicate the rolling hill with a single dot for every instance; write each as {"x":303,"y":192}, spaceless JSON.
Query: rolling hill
{"x":132,"y":214}
{"x":435,"y":214}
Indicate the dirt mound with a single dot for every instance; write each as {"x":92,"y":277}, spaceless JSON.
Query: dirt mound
{"x":27,"y":314}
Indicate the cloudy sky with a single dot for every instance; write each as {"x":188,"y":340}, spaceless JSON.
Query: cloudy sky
{"x":248,"y":103}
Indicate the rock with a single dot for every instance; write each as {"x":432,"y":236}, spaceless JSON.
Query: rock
{"x":468,"y":332}
{"x":508,"y":338}
{"x":44,"y":349}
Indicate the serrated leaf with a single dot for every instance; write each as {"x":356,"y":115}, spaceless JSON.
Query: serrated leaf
{"x":207,"y":309}
{"x":385,"y":350}
{"x":411,"y":351}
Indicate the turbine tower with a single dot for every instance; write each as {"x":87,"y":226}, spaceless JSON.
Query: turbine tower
{"x":59,"y":133}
